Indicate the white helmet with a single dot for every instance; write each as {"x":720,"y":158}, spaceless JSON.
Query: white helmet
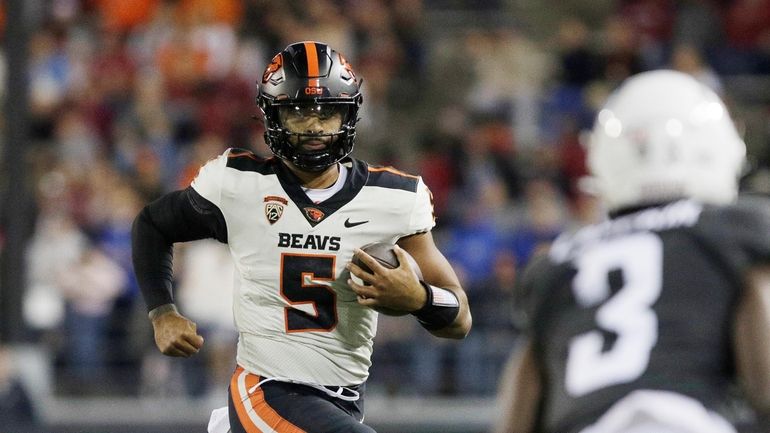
{"x":663,"y":136}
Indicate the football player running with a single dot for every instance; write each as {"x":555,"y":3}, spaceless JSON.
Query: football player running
{"x":293,"y":223}
{"x":642,"y":323}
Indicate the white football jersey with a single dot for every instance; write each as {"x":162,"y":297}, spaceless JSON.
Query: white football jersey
{"x":297,"y":317}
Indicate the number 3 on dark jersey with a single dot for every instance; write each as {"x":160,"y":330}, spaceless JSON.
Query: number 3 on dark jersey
{"x":306,"y":279}
{"x":628,"y":313}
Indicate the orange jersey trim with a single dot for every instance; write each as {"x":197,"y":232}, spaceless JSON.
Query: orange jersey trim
{"x":394,"y":171}
{"x":244,"y":153}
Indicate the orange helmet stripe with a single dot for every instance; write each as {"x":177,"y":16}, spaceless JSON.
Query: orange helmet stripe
{"x":312,"y":64}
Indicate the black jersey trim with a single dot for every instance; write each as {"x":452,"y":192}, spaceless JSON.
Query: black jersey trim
{"x":315,"y":213}
{"x":245,"y":160}
{"x":389,"y":177}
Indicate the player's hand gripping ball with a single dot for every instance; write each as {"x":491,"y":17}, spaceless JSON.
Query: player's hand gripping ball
{"x":384,"y":254}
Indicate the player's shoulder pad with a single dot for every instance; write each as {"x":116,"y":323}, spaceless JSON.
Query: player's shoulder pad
{"x":246,"y":160}
{"x":750,"y":212}
{"x":756,"y":204}
{"x":389,"y":177}
{"x":740,"y":231}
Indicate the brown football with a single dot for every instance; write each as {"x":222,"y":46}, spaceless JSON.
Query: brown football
{"x":384,"y":254}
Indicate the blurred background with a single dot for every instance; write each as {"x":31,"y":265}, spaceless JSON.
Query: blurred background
{"x":108,"y":104}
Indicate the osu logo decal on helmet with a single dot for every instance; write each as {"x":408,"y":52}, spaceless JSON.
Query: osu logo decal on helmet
{"x":310,"y":76}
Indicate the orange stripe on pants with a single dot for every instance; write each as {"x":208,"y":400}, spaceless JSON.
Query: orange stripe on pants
{"x":256,"y":402}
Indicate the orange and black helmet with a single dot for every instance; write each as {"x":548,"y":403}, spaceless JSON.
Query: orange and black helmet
{"x":310,"y":74}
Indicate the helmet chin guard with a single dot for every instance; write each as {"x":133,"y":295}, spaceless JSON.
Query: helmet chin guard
{"x":309,"y":73}
{"x":662,"y":136}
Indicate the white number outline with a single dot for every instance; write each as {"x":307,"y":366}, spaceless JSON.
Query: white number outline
{"x":628,"y":313}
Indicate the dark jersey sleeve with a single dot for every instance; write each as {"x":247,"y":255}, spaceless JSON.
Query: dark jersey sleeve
{"x":754,"y":218}
{"x":530,"y":291}
{"x":740,"y":233}
{"x":179,"y":216}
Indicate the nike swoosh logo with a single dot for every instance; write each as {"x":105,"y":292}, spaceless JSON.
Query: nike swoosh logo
{"x":349,"y":224}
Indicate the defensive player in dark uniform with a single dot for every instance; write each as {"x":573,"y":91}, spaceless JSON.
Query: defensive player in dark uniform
{"x":292,"y":224}
{"x":643,"y":323}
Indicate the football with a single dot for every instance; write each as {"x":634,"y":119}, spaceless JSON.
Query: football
{"x":384,"y":254}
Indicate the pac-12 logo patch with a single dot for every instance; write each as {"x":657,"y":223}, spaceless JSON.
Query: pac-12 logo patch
{"x":314,"y":214}
{"x":274,"y":208}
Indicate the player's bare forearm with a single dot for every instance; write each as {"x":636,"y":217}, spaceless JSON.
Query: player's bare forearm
{"x":752,"y":331}
{"x":519,"y":393}
{"x":399,"y":289}
{"x":462,"y":324}
{"x":438,"y":272}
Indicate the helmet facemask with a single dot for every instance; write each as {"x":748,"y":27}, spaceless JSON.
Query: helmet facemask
{"x":310,"y":83}
{"x":311,"y":135}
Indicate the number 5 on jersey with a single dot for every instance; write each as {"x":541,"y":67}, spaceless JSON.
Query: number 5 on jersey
{"x":306,"y":279}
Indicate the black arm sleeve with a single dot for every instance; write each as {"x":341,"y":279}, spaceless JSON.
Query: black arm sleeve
{"x":179,"y":216}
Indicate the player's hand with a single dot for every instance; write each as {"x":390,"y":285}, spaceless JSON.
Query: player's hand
{"x":397,"y":288}
{"x":176,"y":335}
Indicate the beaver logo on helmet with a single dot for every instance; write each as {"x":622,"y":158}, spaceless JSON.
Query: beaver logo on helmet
{"x":351,"y":76}
{"x":274,"y":66}
{"x":304,"y":74}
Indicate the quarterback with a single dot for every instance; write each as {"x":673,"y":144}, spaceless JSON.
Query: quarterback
{"x":292,"y":223}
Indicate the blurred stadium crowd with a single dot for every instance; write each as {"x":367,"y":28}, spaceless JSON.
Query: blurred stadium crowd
{"x":487,"y":100}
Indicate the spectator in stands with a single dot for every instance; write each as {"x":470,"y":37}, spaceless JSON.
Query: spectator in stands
{"x":18,"y":412}
{"x":205,"y":291}
{"x":481,"y":358}
{"x":90,"y":289}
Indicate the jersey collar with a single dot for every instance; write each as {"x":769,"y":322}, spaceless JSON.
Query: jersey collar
{"x":315,"y":213}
